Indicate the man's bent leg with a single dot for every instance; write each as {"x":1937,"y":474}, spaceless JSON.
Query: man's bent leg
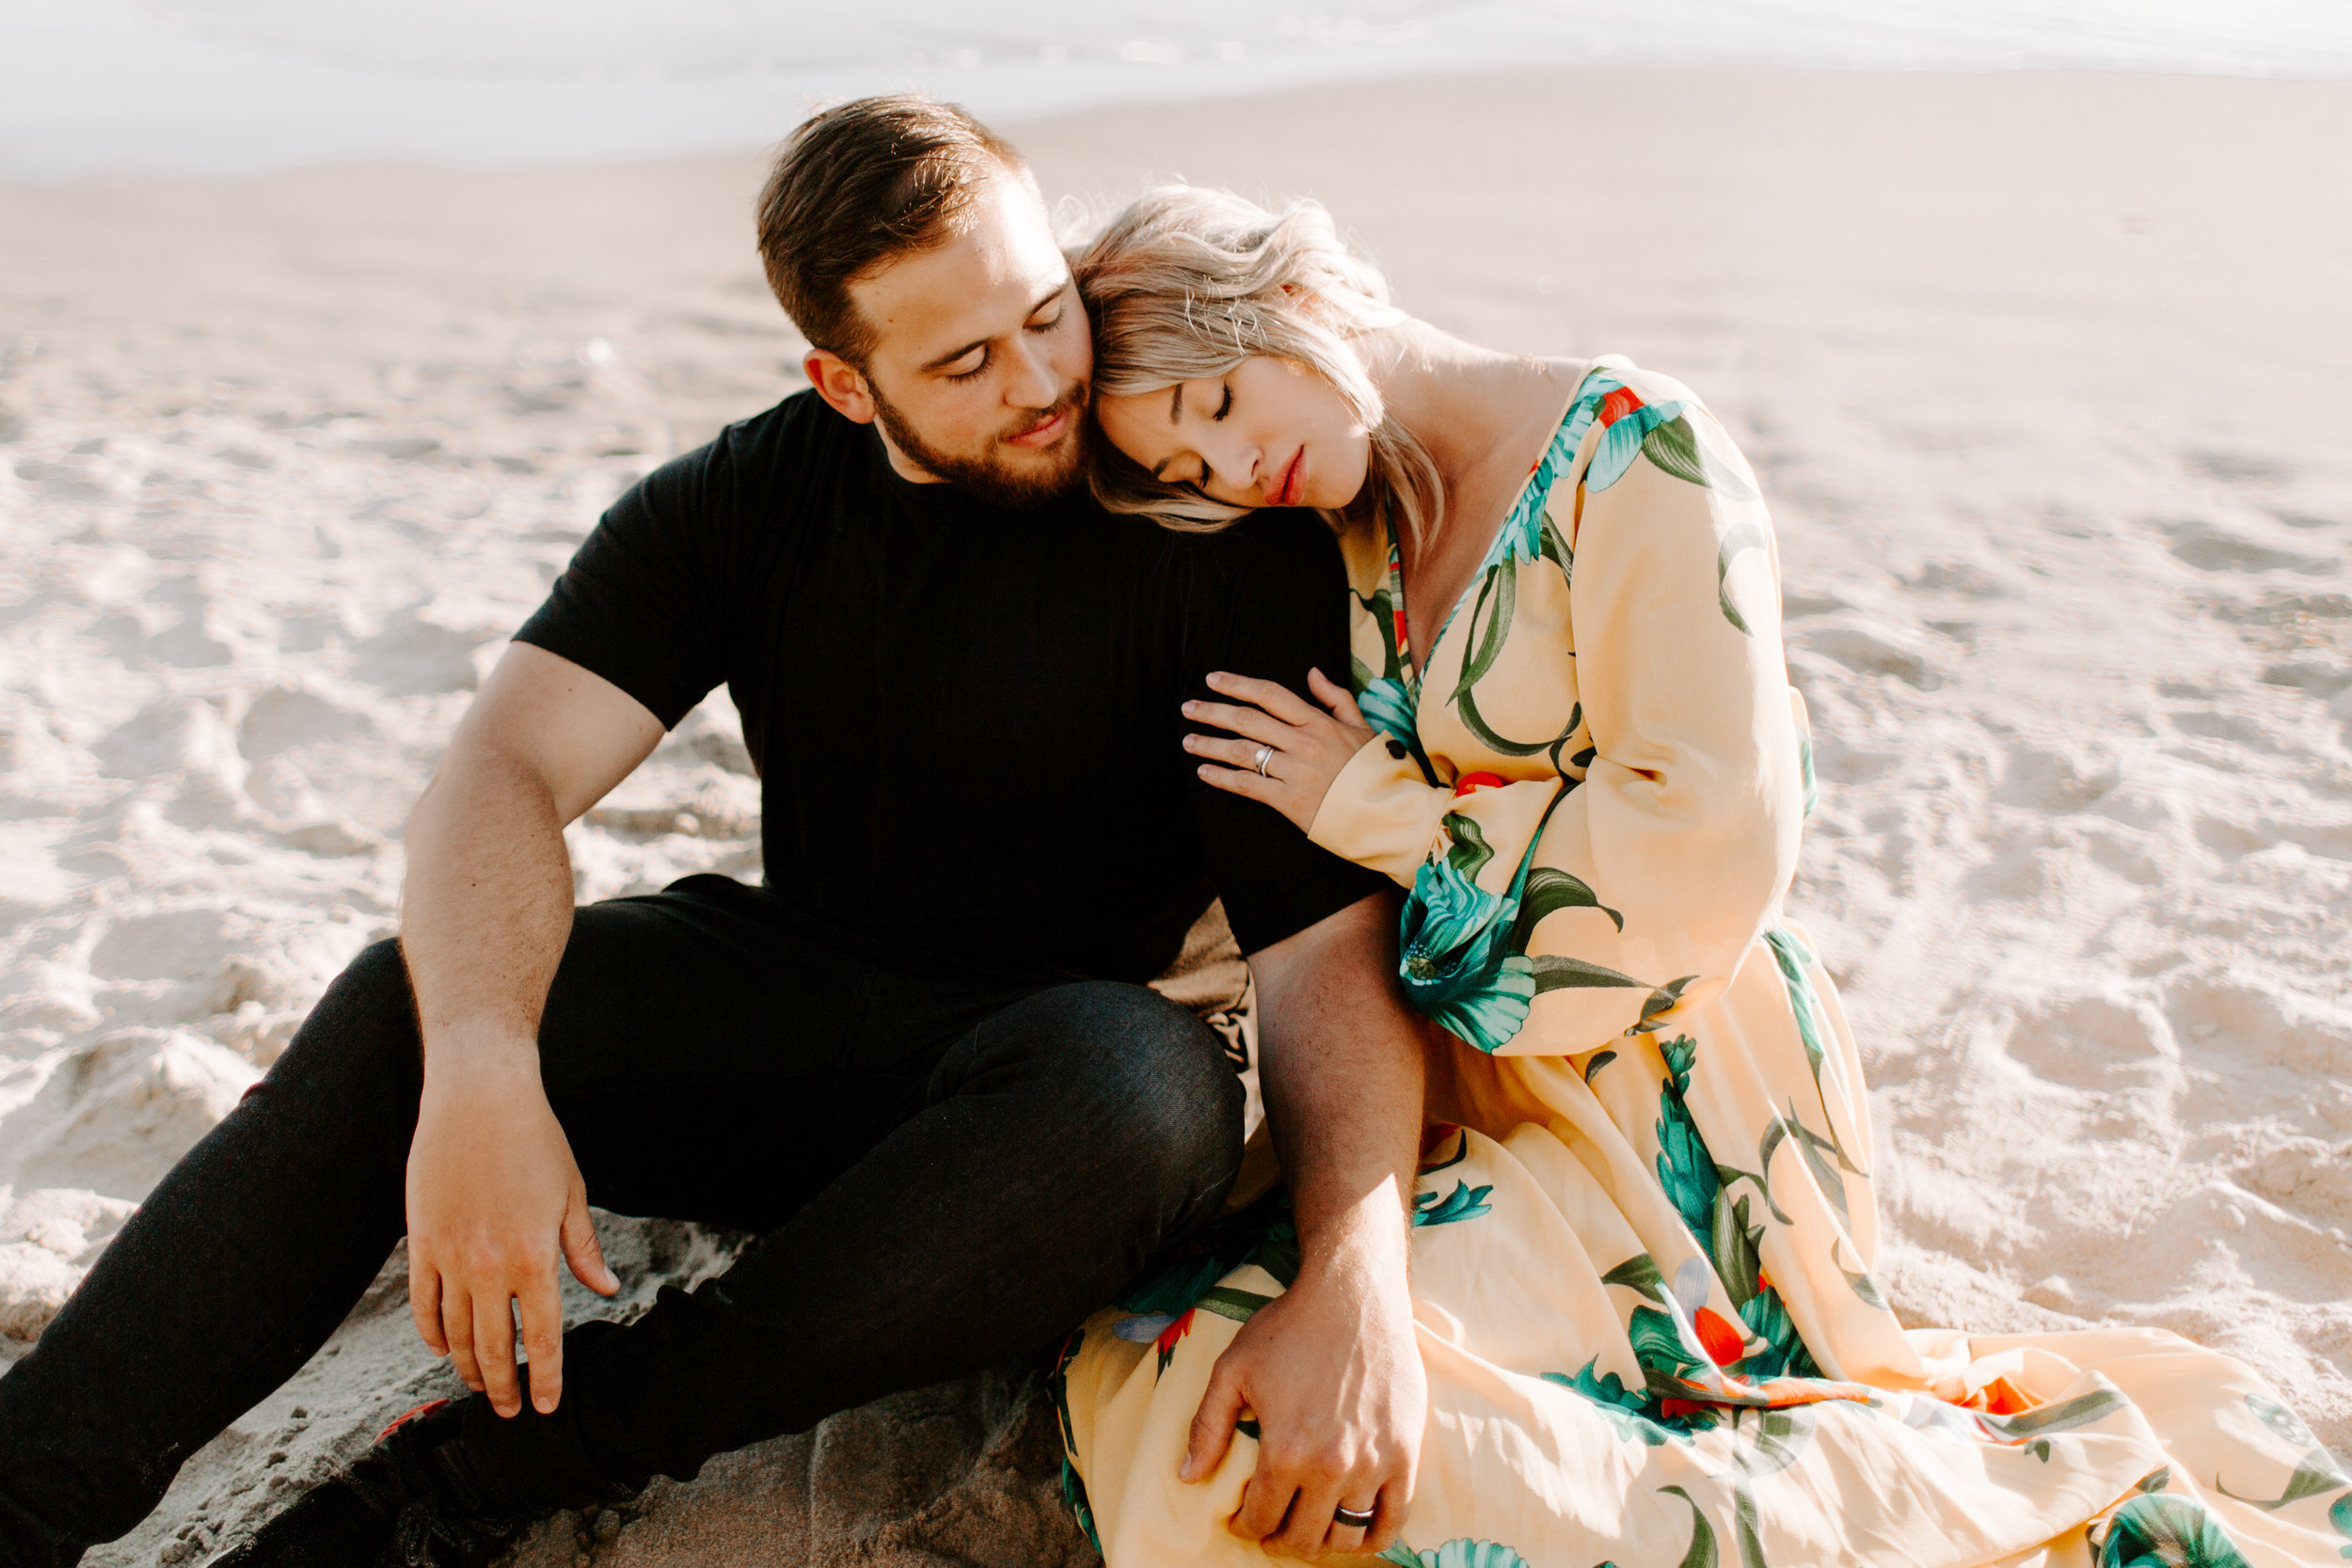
{"x":676,"y":1007}
{"x":234,"y":1270}
{"x":1061,"y":1142}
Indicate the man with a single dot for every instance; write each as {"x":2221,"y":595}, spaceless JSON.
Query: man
{"x":917,"y":1062}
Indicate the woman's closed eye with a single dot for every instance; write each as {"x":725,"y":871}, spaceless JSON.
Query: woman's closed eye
{"x":1207,"y":476}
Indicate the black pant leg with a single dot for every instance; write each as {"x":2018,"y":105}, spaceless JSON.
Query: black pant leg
{"x":233,"y":1271}
{"x":1058,"y":1144}
{"x":250,"y":1251}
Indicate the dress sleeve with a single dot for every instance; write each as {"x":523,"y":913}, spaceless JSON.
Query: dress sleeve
{"x":1549,"y":915}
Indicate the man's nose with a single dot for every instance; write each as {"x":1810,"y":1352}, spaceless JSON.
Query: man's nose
{"x":1033,"y":383}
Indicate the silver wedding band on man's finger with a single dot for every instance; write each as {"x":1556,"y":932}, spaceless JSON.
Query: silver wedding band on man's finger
{"x":1352,"y":1518}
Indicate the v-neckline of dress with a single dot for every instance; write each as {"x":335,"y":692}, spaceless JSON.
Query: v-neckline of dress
{"x":1414,"y":672}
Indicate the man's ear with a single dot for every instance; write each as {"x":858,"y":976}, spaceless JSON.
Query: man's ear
{"x":840,"y":384}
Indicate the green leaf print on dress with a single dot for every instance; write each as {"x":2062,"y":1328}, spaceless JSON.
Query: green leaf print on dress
{"x":1722,"y":1226}
{"x":1465,"y":1202}
{"x":1701,"y":1552}
{"x":1456,"y":965}
{"x":1636,"y":1415}
{"x":1549,"y":891}
{"x":1685,"y":1169}
{"x":1386,"y":696}
{"x":1738,"y":537}
{"x":1389,"y":709}
{"x":2317,"y":1472}
{"x":2166,"y":1531}
{"x":1073,"y":1486}
{"x":1462,"y":1553}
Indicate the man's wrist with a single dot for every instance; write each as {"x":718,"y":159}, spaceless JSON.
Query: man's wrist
{"x":1368,"y":1239}
{"x":475,"y":1049}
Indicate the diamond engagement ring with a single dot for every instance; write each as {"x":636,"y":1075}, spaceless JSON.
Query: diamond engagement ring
{"x":1266,"y":754}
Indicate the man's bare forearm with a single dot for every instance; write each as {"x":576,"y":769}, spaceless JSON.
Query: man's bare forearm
{"x":488,"y":904}
{"x":1331,"y":1366}
{"x":1342,"y":1064}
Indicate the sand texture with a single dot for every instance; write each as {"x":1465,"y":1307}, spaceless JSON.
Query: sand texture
{"x":2047,"y":379}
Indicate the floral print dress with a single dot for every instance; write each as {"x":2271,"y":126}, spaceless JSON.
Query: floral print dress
{"x":1645,"y":1224}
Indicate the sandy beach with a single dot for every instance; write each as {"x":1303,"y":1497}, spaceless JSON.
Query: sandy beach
{"x":2045,"y":377}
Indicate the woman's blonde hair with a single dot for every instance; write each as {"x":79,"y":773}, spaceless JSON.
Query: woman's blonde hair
{"x":1186,"y":283}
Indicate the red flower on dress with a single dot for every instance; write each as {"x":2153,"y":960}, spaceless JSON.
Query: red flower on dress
{"x":1672,"y":1407}
{"x":2000,"y":1398}
{"x":1617,"y":404}
{"x":1723,"y":1342}
{"x":1437,"y":1135}
{"x":1173,"y":1332}
{"x":1468,"y":782}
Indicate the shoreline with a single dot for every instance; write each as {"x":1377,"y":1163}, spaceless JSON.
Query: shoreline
{"x":747,"y":114}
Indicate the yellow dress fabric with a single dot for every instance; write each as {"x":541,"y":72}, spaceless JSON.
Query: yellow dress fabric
{"x":1646,"y":1220}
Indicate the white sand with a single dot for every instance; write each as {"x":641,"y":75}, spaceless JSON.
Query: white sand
{"x":2046,"y":379}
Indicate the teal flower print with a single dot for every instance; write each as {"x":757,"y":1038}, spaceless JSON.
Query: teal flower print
{"x":2165,"y":1532}
{"x":1387,"y":706}
{"x":1465,"y":1202}
{"x":1455,"y":965}
{"x":1461,"y":1553}
{"x":1634,"y":1414}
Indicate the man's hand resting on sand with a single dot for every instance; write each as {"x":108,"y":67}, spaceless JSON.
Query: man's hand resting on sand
{"x":1330,"y":1372}
{"x":493,"y":1195}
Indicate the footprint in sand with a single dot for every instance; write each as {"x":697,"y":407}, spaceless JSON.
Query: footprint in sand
{"x":417,"y":655}
{"x":2211,"y":549}
{"x":181,"y":735}
{"x":2269,"y":1041}
{"x":283,"y":718}
{"x":2106,"y":1039}
{"x":136,"y":1103}
{"x":1875,"y":649}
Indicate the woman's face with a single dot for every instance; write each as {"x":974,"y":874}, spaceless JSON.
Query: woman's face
{"x":1267,"y":433}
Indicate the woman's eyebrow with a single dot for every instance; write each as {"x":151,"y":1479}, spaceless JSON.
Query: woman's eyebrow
{"x":1176,"y":405}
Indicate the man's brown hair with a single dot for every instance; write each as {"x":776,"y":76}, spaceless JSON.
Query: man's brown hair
{"x":858,"y":185}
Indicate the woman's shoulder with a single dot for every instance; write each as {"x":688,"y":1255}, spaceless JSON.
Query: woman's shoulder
{"x":1606,"y":374}
{"x":1621,"y":411}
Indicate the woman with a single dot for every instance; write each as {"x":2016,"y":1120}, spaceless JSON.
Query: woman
{"x":1643,"y":1246}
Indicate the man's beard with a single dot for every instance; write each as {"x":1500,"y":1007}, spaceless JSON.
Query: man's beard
{"x":990,"y":477}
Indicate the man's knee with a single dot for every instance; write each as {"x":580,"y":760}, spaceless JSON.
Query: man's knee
{"x":364,"y":1026}
{"x":1145,"y":1082}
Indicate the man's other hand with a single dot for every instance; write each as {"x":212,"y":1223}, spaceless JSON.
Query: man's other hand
{"x":494,"y":1194}
{"x":1334,"y":1376}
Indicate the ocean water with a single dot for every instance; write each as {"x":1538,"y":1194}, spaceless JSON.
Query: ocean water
{"x":232,"y":87}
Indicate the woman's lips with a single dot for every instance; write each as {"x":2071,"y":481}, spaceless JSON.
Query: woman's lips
{"x":1043,"y":434}
{"x":1286,"y":494}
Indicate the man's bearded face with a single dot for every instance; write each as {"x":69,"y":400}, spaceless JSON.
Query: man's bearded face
{"x":1002,"y":474}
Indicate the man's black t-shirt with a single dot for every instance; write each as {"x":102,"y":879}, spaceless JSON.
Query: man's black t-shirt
{"x":964,"y":718}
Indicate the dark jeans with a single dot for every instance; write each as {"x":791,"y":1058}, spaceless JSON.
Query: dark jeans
{"x":945,"y":1174}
